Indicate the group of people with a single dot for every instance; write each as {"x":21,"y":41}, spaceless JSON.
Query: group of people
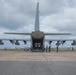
{"x":48,"y":49}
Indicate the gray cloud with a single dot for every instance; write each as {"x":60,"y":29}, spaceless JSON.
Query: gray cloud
{"x":71,"y":3}
{"x":13,"y":15}
{"x":48,"y":7}
{"x":20,"y":14}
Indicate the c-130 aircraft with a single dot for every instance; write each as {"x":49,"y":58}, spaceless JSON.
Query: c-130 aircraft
{"x":37,"y":37}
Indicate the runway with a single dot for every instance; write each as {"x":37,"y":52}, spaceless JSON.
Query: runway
{"x":37,"y":68}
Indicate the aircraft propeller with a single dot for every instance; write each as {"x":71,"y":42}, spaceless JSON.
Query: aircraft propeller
{"x":1,"y":42}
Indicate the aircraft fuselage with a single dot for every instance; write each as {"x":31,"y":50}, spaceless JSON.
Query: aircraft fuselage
{"x":37,"y":38}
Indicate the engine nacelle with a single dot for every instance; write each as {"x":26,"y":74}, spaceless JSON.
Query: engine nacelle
{"x":17,"y":43}
{"x":24,"y":41}
{"x":63,"y":42}
{"x":58,"y":43}
{"x":12,"y":41}
{"x":73,"y":43}
{"x":50,"y":42}
{"x":1,"y":42}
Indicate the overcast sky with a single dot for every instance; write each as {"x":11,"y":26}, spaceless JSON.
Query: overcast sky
{"x":55,"y":16}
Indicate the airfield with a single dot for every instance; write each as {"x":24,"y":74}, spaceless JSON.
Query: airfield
{"x":20,"y":62}
{"x":22,"y":55}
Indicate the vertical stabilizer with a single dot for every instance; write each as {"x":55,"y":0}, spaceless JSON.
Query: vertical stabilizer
{"x":37,"y":18}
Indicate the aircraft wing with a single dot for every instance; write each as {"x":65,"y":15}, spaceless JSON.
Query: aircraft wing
{"x":17,"y":33}
{"x":6,"y":39}
{"x":57,"y":33}
{"x":13,"y":41}
{"x":61,"y":41}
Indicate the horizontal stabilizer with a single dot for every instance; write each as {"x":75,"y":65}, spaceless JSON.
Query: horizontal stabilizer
{"x":17,"y":33}
{"x":57,"y":33}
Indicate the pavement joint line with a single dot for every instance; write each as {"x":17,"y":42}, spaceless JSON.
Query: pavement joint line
{"x":45,"y":57}
{"x":41,"y":56}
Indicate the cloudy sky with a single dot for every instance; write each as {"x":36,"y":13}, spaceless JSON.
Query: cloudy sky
{"x":55,"y":16}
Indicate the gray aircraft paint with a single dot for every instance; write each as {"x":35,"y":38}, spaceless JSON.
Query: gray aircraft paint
{"x":37,"y":18}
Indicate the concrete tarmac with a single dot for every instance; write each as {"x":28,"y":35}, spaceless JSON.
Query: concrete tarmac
{"x":37,"y":56}
{"x":37,"y":68}
{"x":37,"y":63}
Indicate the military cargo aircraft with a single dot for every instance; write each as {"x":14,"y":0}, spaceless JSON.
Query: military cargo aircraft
{"x":37,"y":37}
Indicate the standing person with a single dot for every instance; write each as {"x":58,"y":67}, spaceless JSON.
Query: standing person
{"x":49,"y":48}
{"x":46,"y":48}
{"x":72,"y":49}
{"x":57,"y":48}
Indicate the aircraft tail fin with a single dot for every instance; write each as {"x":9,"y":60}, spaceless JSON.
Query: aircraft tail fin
{"x":37,"y":18}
